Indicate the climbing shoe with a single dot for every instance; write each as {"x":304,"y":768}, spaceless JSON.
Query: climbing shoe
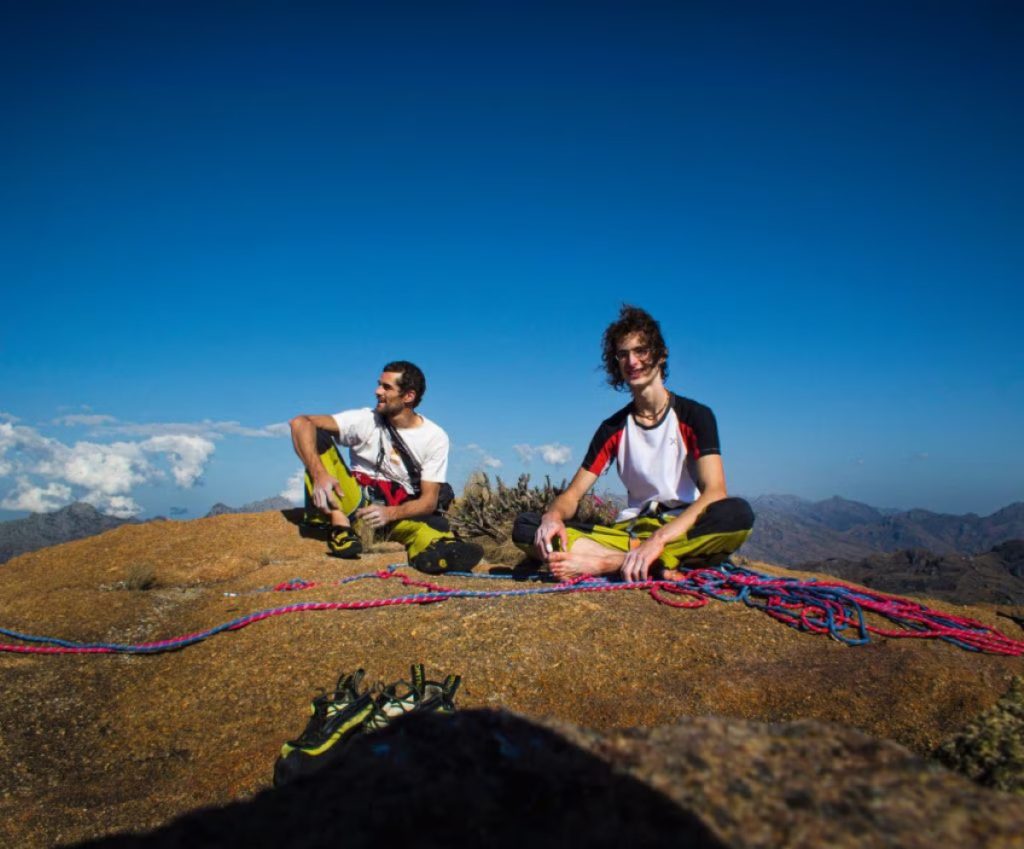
{"x":447,"y":555}
{"x":335,"y":717}
{"x":338,"y":717}
{"x":416,"y":696}
{"x":344,"y":543}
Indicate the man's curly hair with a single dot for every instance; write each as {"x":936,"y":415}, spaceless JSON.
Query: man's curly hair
{"x":632,"y":320}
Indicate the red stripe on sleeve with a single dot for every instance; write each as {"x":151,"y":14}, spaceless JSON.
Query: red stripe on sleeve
{"x":690,"y":440}
{"x":605,"y":454}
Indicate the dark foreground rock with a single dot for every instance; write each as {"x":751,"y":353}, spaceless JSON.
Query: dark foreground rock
{"x":497,"y":779}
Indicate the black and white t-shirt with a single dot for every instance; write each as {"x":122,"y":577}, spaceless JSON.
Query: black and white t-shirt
{"x":657,"y":463}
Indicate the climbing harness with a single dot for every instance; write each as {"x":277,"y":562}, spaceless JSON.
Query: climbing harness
{"x":820,"y":607}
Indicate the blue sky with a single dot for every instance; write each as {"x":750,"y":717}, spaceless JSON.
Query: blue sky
{"x":215,"y":216}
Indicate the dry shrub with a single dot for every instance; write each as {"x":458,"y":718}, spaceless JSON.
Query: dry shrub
{"x":486,"y":510}
{"x":141,"y":576}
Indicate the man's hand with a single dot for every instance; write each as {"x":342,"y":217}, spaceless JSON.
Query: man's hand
{"x":376,"y":515}
{"x":551,"y":526}
{"x":325,"y":489}
{"x":638,"y":561}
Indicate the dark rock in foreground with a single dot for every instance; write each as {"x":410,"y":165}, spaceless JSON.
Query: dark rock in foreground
{"x":496,"y":779}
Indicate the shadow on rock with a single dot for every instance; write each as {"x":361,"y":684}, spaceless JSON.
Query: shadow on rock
{"x":478,"y":777}
{"x":297,"y":516}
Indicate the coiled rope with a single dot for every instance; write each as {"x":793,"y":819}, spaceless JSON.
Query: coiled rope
{"x":808,"y":605}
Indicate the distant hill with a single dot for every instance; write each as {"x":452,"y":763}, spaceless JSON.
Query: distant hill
{"x":76,"y":521}
{"x":275,"y":503}
{"x":81,"y":520}
{"x":996,"y":577}
{"x":792,"y":531}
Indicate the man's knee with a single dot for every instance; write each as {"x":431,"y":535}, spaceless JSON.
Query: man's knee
{"x":435,"y":522}
{"x":728,"y":515}
{"x":324,"y":441}
{"x":524,"y":529}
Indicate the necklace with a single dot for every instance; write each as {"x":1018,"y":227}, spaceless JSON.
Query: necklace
{"x":653,"y":417}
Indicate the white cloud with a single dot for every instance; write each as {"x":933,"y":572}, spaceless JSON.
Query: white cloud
{"x":7,"y":417}
{"x":121,"y":506}
{"x":104,"y":470}
{"x":102,"y":474}
{"x":552,"y":452}
{"x":104,"y":425}
{"x":21,"y":447}
{"x":187,"y":455}
{"x":84,"y":419}
{"x":37,"y":499}
{"x":295,"y":488}
{"x":207,"y":429}
{"x":555,"y":454}
{"x":487,"y":460}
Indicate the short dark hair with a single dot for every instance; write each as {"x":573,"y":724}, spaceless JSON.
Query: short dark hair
{"x":632,"y":320}
{"x":410,"y":379}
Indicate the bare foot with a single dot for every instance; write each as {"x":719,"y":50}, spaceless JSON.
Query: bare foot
{"x":567,"y":565}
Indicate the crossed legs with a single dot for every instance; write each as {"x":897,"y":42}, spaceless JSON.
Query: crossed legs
{"x":601,"y":549}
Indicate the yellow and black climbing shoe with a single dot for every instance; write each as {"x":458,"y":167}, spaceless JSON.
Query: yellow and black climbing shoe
{"x":416,"y":696}
{"x":339,"y":717}
{"x":447,"y":555}
{"x":344,"y":543}
{"x":335,"y":717}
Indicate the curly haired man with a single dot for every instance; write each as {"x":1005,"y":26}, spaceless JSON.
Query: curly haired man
{"x":668,"y":456}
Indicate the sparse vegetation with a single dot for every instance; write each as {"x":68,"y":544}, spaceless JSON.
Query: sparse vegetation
{"x":486,"y":510}
{"x":141,"y":576}
{"x":367,"y":535}
{"x":990,"y":749}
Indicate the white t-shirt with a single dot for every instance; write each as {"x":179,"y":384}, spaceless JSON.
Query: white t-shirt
{"x":428,"y":443}
{"x":657,"y":463}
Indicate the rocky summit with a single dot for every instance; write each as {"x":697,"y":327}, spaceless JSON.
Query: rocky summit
{"x":588,"y":717}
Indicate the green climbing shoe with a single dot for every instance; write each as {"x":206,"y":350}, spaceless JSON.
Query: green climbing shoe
{"x":447,"y":555}
{"x":344,"y":543}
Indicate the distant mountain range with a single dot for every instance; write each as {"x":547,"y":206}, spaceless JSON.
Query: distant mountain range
{"x":275,"y":503}
{"x":790,"y":531}
{"x":76,"y":521}
{"x":995,"y":577}
{"x":80,"y":520}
